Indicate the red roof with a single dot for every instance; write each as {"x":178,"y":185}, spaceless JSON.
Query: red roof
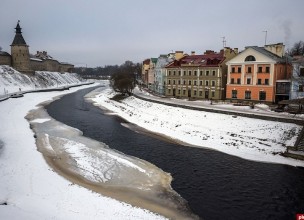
{"x":205,"y":60}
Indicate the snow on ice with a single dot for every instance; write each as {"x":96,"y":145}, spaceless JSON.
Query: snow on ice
{"x":29,"y":188}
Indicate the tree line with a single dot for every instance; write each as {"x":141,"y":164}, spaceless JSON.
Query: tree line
{"x":122,"y":77}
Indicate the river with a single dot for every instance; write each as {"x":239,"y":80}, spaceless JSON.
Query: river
{"x":216,"y":185}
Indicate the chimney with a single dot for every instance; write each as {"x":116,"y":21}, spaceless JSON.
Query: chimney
{"x":192,"y":52}
{"x":277,"y":49}
{"x":178,"y":55}
{"x":209,"y":52}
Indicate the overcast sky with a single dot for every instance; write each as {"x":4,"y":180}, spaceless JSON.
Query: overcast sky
{"x":99,"y":32}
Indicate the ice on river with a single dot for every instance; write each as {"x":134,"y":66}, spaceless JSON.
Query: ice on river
{"x":30,"y":189}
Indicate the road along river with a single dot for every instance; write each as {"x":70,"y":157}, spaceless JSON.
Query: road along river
{"x":216,"y":185}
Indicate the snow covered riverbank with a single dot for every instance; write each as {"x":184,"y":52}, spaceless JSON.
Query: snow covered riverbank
{"x":252,"y":139}
{"x":30,"y":189}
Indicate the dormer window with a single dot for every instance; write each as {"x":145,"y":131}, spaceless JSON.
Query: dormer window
{"x":250,"y":58}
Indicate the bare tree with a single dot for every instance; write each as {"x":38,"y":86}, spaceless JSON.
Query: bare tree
{"x":297,"y":49}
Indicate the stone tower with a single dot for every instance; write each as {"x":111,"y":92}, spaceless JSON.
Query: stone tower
{"x":20,"y":52}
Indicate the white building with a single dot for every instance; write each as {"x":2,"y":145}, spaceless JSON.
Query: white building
{"x":297,"y":81}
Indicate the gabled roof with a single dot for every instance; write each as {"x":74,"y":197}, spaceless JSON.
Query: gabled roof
{"x":267,"y":53}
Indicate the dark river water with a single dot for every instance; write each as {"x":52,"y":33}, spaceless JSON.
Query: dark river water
{"x":216,"y":185}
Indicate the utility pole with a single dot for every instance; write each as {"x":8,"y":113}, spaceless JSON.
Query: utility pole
{"x":265,"y":37}
{"x":224,"y":42}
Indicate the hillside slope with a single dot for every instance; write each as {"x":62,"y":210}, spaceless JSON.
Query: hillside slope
{"x":12,"y":81}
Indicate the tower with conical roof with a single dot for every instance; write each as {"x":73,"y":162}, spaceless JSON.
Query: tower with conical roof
{"x":20,"y":52}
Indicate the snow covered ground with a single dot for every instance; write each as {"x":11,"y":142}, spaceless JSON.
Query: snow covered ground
{"x":31,"y":189}
{"x":252,"y":139}
{"x":13,"y":81}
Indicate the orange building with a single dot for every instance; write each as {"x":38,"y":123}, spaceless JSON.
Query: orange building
{"x":259,"y":74}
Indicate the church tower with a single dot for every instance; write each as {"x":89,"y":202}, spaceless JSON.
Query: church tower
{"x":20,"y":52}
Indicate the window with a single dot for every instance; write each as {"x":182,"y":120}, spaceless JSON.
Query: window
{"x":189,"y":82}
{"x":179,"y":72}
{"x":260,"y":69}
{"x":184,"y":73}
{"x":179,"y":82}
{"x":239,"y":81}
{"x":212,"y":93}
{"x":301,"y":71}
{"x":248,"y":80}
{"x":247,"y":94}
{"x":266,"y":81}
{"x":201,"y":83}
{"x":169,"y":81}
{"x":213,"y":73}
{"x":200,"y":93}
{"x":267,"y":69}
{"x":184,"y":92}
{"x":232,"y":81}
{"x":184,"y":82}
{"x":212,"y":83}
{"x":174,"y":73}
{"x":249,"y":69}
{"x":259,"y":81}
{"x":233,"y":70}
{"x":195,"y":82}
{"x":207,"y":73}
{"x":195,"y":73}
{"x":195,"y":92}
{"x":239,"y":69}
{"x":301,"y":88}
{"x":207,"y":83}
{"x":250,"y":58}
{"x":201,"y":73}
{"x":169,"y":73}
{"x":178,"y":91}
{"x":169,"y":91}
{"x":234,"y":94}
{"x":173,"y":82}
{"x":262,"y":95}
{"x":189,"y":72}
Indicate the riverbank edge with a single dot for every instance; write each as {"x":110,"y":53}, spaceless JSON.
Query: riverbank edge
{"x":119,"y":193}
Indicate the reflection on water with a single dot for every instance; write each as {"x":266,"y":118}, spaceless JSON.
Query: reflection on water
{"x":216,"y":185}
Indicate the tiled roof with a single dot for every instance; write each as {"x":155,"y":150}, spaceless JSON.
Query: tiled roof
{"x":205,"y":60}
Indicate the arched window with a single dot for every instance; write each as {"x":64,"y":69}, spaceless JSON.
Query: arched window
{"x":250,"y":58}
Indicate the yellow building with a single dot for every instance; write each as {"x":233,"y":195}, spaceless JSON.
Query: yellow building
{"x":199,"y":76}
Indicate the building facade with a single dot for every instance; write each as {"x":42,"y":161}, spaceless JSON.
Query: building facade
{"x":259,"y":74}
{"x":199,"y":76}
{"x":160,"y":73}
{"x":21,"y":59}
{"x":297,"y":79}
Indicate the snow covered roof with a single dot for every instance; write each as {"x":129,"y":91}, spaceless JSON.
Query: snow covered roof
{"x":3,"y":53}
